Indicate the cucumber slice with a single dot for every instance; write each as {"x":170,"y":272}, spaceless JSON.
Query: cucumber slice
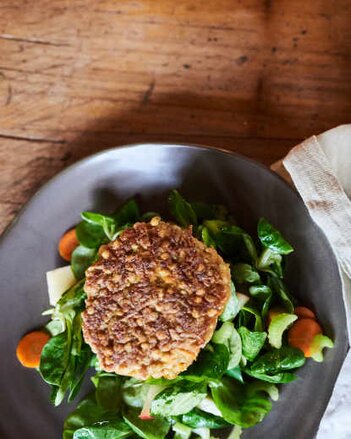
{"x":276,"y":328}
{"x":320,"y":342}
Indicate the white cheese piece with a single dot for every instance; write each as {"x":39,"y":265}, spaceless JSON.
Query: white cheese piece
{"x":59,"y":280}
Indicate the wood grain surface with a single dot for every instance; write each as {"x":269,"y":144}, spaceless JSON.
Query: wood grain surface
{"x":251,"y":76}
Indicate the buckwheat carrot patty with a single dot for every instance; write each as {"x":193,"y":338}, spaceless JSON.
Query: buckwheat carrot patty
{"x":153,"y":299}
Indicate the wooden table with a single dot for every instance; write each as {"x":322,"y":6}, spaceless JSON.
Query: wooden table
{"x":252,"y":76}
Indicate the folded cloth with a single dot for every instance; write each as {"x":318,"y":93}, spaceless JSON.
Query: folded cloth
{"x":320,"y":170}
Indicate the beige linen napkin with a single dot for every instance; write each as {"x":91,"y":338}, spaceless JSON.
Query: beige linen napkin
{"x":320,"y":169}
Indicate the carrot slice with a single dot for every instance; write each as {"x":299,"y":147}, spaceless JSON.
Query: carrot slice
{"x":30,"y":346}
{"x":303,"y":312}
{"x":302,"y":333}
{"x":67,"y":244}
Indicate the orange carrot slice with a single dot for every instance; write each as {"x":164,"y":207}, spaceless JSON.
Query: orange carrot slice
{"x":303,"y":312}
{"x":29,"y":348}
{"x":302,"y":333}
{"x":67,"y":244}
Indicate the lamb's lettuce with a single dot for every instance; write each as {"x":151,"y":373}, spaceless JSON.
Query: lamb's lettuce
{"x":239,"y":367}
{"x":238,"y":405}
{"x":156,"y":428}
{"x":228,"y":336}
{"x":232,"y":307}
{"x":279,"y":360}
{"x":271,"y":238}
{"x":181,"y":210}
{"x":178,"y":399}
{"x":252,"y":342}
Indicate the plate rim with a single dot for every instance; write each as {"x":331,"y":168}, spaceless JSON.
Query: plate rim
{"x":94,"y":156}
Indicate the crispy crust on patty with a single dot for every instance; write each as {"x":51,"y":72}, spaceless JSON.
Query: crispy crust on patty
{"x":153,"y":299}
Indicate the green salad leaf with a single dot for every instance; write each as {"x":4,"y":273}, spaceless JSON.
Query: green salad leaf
{"x":181,"y":210}
{"x":90,"y":235}
{"x":86,"y":413}
{"x":251,"y":311}
{"x":279,"y":360}
{"x":197,"y":418}
{"x":156,"y":428}
{"x":90,"y":420}
{"x":108,"y":390}
{"x":106,"y":222}
{"x":71,"y":302}
{"x":206,"y":211}
{"x":54,"y":359}
{"x":259,"y":386}
{"x":252,"y":342}
{"x":245,"y":273}
{"x":263,"y":294}
{"x":82,"y":258}
{"x":206,"y":237}
{"x":178,"y":399}
{"x":278,"y":378}
{"x":238,"y":405}
{"x":215,"y":226}
{"x":128,"y":213}
{"x":211,"y":363}
{"x":232,"y":307}
{"x":272,"y":238}
{"x":228,"y":336}
{"x":134,"y":392}
{"x":110,"y":225}
{"x":107,"y":429}
{"x":82,"y":364}
{"x":233,"y":241}
{"x":236,"y":373}
{"x":65,"y":359}
{"x":270,"y":262}
{"x":97,"y":229}
{"x":279,"y":289}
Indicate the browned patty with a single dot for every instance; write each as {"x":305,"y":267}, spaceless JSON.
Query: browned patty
{"x":153,"y":299}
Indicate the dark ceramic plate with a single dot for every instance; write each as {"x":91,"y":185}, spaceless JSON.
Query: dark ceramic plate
{"x":103,"y":181}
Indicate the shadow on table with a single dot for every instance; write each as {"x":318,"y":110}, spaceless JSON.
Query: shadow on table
{"x":184,"y":118}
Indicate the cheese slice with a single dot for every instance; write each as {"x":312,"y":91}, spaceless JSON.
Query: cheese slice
{"x":59,"y":280}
